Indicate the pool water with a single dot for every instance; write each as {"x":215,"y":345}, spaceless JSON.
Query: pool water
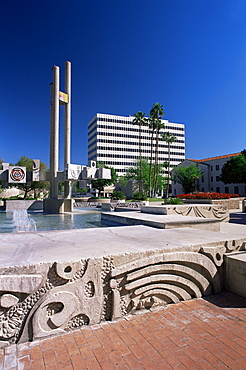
{"x":80,"y":219}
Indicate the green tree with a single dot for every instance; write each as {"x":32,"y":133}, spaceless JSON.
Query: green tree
{"x":101,"y":183}
{"x":133,"y":173}
{"x":234,"y":170}
{"x":36,"y":186}
{"x":140,"y":120}
{"x":169,"y":138}
{"x":156,"y":114}
{"x":187,"y":176}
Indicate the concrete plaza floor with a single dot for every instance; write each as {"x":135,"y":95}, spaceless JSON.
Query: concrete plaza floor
{"x":208,"y":333}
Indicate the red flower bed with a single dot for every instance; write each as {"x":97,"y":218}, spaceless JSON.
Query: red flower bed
{"x":208,"y":196}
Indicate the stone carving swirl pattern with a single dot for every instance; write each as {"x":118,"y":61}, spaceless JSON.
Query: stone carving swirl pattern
{"x":167,"y":278}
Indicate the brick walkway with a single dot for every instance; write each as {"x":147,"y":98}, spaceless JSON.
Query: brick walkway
{"x":198,"y":334}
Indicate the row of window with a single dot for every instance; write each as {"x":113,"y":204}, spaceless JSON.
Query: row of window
{"x":108,"y":141}
{"x":115,"y":120}
{"x":131,"y":164}
{"x":217,"y":178}
{"x":134,"y":150}
{"x":119,"y":163}
{"x":126,"y":122}
{"x":136,"y":137}
{"x":132,"y":129}
{"x":112,"y":155}
{"x":227,"y":191}
{"x":92,"y":123}
{"x":125,"y":169}
{"x":217,"y":167}
{"x":124,"y":142}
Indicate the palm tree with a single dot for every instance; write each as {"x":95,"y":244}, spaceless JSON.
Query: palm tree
{"x":156,"y":114}
{"x":140,"y":120}
{"x":152,"y":129}
{"x":169,"y":138}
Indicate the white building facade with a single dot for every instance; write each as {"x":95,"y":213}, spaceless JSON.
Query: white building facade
{"x":210,"y":182}
{"x":114,"y":140}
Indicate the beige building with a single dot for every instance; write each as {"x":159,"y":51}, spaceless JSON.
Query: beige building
{"x":211,"y":168}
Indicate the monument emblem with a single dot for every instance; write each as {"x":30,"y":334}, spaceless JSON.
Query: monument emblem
{"x":17,"y":175}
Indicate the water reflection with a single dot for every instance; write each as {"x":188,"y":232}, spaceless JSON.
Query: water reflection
{"x":80,"y":219}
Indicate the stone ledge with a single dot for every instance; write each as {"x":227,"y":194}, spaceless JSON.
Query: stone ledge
{"x":219,"y":212}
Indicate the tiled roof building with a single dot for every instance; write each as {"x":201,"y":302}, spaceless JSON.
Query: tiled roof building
{"x":211,"y":168}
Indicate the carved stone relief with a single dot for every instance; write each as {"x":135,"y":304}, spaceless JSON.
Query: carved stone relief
{"x":53,"y":298}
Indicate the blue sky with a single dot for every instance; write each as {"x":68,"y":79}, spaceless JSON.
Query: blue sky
{"x":126,"y":55}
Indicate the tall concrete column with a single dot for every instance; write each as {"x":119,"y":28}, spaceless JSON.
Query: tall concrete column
{"x":67,"y":127}
{"x":54,"y":137}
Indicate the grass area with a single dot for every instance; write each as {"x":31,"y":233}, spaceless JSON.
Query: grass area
{"x":149,"y":199}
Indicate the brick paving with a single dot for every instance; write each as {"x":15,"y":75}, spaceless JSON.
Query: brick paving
{"x":205,"y":334}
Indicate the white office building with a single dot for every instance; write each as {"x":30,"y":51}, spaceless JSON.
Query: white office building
{"x":114,"y":140}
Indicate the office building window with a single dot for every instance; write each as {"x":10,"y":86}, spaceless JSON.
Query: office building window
{"x":236,"y":189}
{"x":217,"y":167}
{"x":227,"y":189}
{"x":218,"y":189}
{"x":212,"y":179}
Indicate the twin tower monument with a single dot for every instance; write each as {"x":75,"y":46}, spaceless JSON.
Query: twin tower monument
{"x":72,"y":172}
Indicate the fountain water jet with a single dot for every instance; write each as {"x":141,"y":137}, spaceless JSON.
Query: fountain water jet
{"x":22,"y":222}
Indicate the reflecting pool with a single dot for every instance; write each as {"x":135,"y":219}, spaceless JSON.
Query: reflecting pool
{"x":82,"y":218}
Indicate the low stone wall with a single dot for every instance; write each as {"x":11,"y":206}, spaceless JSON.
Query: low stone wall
{"x":232,"y":203}
{"x":29,"y":205}
{"x":220,"y":212}
{"x":93,"y":203}
{"x":123,"y":206}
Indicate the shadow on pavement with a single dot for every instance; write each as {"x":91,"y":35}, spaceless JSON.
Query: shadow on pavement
{"x":226,"y":299}
{"x":238,"y":218}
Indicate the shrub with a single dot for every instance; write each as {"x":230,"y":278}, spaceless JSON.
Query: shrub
{"x":139,"y":196}
{"x":117,"y":194}
{"x":173,"y":201}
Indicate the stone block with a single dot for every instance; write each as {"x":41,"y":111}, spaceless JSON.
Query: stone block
{"x":235,"y":273}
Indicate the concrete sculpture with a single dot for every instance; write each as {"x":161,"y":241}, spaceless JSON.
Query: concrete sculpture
{"x":72,"y":172}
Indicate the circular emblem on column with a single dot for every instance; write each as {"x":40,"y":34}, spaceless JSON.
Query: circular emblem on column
{"x":17,"y":174}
